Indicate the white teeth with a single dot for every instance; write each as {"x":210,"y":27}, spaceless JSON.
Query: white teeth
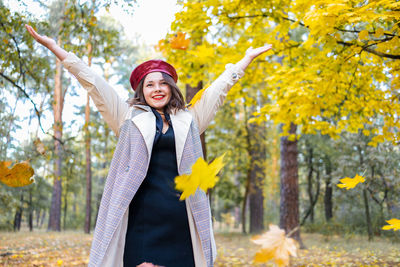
{"x":158,"y":97}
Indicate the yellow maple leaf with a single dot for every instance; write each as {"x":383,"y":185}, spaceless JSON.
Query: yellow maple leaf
{"x":19,"y":175}
{"x":203,"y":176}
{"x":392,"y":224}
{"x":275,"y":246}
{"x":350,"y":183}
{"x":179,"y":41}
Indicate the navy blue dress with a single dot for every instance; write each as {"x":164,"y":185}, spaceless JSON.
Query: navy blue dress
{"x":158,"y":229}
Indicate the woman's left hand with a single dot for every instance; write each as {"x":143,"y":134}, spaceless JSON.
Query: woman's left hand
{"x":255,"y":52}
{"x":251,"y":54}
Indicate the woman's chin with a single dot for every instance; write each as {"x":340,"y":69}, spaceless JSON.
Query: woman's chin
{"x":158,"y":106}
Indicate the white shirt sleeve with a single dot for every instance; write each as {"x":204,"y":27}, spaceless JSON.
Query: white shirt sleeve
{"x":111,"y":106}
{"x":204,"y":110}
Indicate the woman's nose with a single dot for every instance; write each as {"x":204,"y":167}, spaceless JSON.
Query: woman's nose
{"x":157,"y":87}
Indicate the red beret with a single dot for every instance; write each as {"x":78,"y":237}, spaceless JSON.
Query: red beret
{"x":151,"y":66}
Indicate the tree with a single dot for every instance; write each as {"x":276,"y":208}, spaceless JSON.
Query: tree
{"x":315,"y":79}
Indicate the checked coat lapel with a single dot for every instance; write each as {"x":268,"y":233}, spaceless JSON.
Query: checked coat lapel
{"x":129,"y":168}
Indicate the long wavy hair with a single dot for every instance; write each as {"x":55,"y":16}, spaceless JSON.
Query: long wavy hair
{"x":176,"y":102}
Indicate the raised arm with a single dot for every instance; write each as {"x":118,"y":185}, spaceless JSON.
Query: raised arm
{"x":111,"y":106}
{"x":51,"y":44}
{"x":213,"y":97}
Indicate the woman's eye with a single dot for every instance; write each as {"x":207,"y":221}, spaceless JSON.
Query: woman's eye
{"x":149,"y":85}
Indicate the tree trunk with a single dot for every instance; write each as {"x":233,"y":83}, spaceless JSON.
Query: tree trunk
{"x":18,"y":214}
{"x":367,"y":215}
{"x":38,"y":212}
{"x":30,"y":214}
{"x":365,"y":198}
{"x":328,"y":191}
{"x":256,"y":196}
{"x":309,"y":180}
{"x":65,"y":206}
{"x":42,"y":219}
{"x":289,"y":207}
{"x":88,"y":154}
{"x":58,"y":103}
{"x":88,"y":169}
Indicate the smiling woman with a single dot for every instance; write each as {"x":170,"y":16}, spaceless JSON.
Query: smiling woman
{"x":141,"y":218}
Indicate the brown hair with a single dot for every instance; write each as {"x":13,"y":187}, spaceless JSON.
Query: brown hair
{"x":176,"y":102}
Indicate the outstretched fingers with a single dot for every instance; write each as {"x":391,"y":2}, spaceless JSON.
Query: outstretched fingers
{"x":42,"y":39}
{"x":255,"y":52}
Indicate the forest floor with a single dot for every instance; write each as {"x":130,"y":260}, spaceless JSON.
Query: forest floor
{"x":234,"y":249}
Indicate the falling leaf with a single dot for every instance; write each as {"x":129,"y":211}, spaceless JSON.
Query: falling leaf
{"x":350,"y":183}
{"x":203,"y":176}
{"x":39,"y":146}
{"x":275,"y":246}
{"x":19,"y":175}
{"x":393,"y":224}
{"x":180,"y":41}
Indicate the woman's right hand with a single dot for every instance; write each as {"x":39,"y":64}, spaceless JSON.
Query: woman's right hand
{"x":42,"y":39}
{"x":51,"y":44}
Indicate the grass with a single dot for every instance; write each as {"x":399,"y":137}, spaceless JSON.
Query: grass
{"x":234,"y":249}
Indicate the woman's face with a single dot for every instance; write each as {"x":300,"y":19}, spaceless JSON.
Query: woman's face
{"x":156,"y":91}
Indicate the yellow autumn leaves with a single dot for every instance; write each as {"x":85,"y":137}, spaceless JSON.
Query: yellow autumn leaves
{"x":19,"y":175}
{"x":203,"y":176}
{"x":275,"y":246}
{"x":350,"y":183}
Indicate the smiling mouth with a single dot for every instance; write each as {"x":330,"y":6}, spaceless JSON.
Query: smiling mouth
{"x":158,"y":97}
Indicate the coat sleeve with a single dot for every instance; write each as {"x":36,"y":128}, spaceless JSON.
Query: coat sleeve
{"x":204,"y":110}
{"x":111,"y":106}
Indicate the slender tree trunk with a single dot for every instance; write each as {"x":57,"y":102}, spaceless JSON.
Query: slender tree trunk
{"x":55,"y":209}
{"x":309,"y":180}
{"x":18,"y":214}
{"x":256,"y":196}
{"x":365,"y":198}
{"x":42,"y":219}
{"x":314,"y":200}
{"x":328,"y":191}
{"x":367,"y":215}
{"x":38,"y":212}
{"x":88,"y":154}
{"x":30,"y":214}
{"x":289,"y":207}
{"x":88,"y":169}
{"x":65,"y":206}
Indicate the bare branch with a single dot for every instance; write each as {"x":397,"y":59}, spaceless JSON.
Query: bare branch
{"x":33,"y":103}
{"x":372,"y":51}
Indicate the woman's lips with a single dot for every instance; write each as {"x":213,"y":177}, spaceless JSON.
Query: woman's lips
{"x":158,"y":97}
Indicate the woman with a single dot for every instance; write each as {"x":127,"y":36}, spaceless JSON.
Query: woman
{"x":141,"y":218}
